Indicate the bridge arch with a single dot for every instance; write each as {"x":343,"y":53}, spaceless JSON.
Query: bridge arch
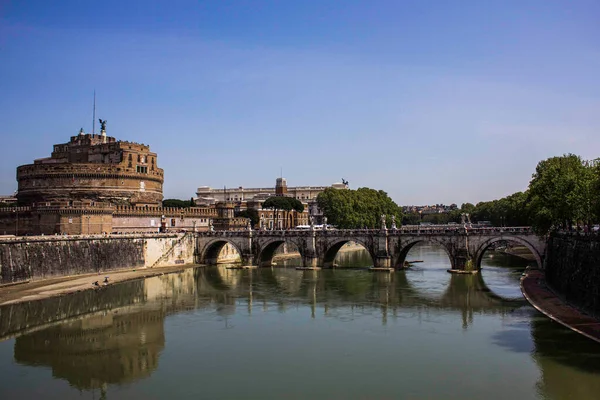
{"x":405,"y":247}
{"x":266,"y":252}
{"x":333,"y":248}
{"x":209,"y":254}
{"x":515,"y":239}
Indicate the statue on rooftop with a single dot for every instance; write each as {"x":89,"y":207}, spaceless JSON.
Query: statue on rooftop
{"x":102,"y":125}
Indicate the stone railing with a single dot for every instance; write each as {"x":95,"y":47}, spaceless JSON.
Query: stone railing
{"x":362,"y":232}
{"x":61,"y":238}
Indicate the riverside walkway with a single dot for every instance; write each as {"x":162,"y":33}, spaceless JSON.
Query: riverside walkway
{"x":540,"y":296}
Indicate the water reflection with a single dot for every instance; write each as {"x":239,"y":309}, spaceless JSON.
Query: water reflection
{"x":117,"y":335}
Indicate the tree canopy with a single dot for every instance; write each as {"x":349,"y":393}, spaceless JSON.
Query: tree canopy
{"x":358,"y":208}
{"x":283,"y":203}
{"x":249,"y":213}
{"x":563,"y":191}
{"x":178,"y":203}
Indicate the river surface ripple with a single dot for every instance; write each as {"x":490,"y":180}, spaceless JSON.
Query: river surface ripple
{"x":275,"y":333}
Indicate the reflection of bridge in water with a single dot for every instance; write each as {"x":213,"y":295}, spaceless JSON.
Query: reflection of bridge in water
{"x":207,"y":287}
{"x":116,"y":335}
{"x":387,"y":248}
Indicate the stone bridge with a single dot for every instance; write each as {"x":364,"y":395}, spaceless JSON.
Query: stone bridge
{"x":388,"y":247}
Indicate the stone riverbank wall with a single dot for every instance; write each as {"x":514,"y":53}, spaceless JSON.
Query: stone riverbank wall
{"x":41,"y":257}
{"x":573,"y":269}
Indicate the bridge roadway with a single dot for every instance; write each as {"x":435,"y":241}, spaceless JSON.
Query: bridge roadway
{"x":388,"y":247}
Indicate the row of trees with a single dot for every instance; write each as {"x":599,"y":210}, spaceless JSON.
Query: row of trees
{"x":361,"y":208}
{"x":564,"y":192}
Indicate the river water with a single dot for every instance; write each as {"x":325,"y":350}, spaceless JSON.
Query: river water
{"x":275,"y":333}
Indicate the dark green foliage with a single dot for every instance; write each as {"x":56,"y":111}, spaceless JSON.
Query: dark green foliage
{"x":360,"y":208}
{"x":249,"y":213}
{"x":177,"y":203}
{"x":412,"y":218}
{"x":562,"y":193}
{"x":512,"y":210}
{"x":283,"y":203}
{"x":437,"y":218}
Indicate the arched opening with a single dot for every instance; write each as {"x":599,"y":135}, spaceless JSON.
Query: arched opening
{"x":414,"y":252}
{"x":347,"y":254}
{"x":513,"y":245}
{"x":426,"y":263}
{"x":501,"y":262}
{"x":220,"y":251}
{"x":279,"y":253}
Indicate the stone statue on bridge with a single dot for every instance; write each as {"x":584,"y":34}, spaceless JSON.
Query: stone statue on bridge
{"x":261,"y":223}
{"x":383,"y":226}
{"x":211,"y":227}
{"x":249,"y":225}
{"x":394,"y":222}
{"x":324,"y":223}
{"x":311,"y":221}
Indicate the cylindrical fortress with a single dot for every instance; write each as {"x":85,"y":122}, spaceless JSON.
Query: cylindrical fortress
{"x":96,"y":168}
{"x":106,"y":183}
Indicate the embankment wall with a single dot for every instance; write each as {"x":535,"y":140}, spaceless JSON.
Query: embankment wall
{"x":573,"y":269}
{"x":31,"y":258}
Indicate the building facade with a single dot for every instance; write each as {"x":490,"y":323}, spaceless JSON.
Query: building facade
{"x":207,"y":195}
{"x":252,"y":198}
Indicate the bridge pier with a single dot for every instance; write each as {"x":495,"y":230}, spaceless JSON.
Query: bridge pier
{"x":311,"y":262}
{"x":247,"y":259}
{"x":462,"y":261}
{"x":382,"y":262}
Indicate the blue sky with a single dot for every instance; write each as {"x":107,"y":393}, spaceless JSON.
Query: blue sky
{"x":431,"y":101}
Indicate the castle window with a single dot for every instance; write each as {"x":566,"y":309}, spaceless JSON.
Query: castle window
{"x":138,"y":158}
{"x":172,"y":221}
{"x":142,"y":170}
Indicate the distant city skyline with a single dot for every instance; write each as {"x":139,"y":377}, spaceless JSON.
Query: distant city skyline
{"x":438,"y":102}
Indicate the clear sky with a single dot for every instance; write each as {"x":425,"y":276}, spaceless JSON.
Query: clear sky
{"x":431,"y":101}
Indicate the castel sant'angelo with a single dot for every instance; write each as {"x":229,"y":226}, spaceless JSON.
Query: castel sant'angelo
{"x":93,"y":167}
{"x":94,"y":184}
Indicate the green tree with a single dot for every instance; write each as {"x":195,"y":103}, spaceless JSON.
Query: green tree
{"x":176,"y":203}
{"x":467,"y":208}
{"x":561,"y":193}
{"x":358,"y":208}
{"x":249,"y":213}
{"x":412,"y":218}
